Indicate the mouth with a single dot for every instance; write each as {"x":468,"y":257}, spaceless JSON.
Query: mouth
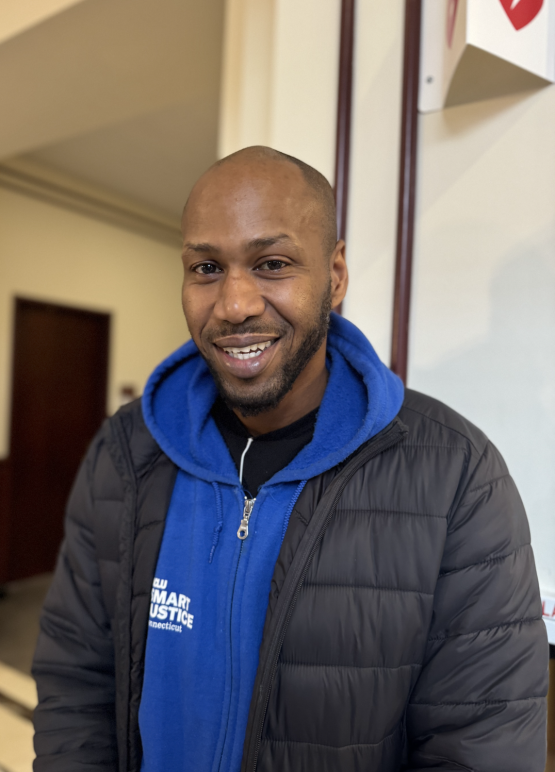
{"x":250,"y":358}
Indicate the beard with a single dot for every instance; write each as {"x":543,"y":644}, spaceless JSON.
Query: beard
{"x":282,"y":382}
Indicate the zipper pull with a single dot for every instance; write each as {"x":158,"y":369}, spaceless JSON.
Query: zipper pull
{"x":243,"y":531}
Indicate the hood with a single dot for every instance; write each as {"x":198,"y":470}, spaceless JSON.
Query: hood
{"x":362,"y":397}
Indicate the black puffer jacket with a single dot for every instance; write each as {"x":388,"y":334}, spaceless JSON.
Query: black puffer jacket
{"x":404,"y":626}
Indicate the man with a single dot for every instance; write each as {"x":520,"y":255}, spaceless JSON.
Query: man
{"x":280,"y":560}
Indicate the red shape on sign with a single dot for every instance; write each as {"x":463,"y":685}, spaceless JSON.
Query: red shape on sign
{"x":451,"y":19}
{"x":521,"y":12}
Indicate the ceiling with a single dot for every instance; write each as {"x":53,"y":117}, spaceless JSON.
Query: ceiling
{"x":121,"y":94}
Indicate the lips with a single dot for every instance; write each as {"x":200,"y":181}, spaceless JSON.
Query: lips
{"x":249,"y":359}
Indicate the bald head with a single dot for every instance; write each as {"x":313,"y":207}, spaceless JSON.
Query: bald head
{"x":259,"y":161}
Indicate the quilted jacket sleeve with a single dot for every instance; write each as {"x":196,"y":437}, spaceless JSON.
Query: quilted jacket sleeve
{"x":74,"y":659}
{"x":479,"y":703}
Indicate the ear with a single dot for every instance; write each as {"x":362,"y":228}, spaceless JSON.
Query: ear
{"x":339,"y":274}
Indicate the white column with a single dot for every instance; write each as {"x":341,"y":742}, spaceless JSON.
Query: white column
{"x":280,"y":72}
{"x":245,"y":106}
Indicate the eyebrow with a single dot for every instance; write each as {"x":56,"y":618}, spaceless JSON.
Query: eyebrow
{"x":268,"y":241}
{"x":260,"y":243}
{"x":203,"y":248}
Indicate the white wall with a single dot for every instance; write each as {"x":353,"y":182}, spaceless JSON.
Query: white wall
{"x":51,"y":254}
{"x":483,"y":317}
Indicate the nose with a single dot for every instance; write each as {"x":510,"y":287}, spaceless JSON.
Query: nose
{"x":239,"y":298}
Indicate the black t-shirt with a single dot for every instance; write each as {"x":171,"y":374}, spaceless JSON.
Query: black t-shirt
{"x":268,"y":453}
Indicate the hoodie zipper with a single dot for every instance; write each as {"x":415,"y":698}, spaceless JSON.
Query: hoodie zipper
{"x":242,"y":534}
{"x":243,"y":531}
{"x":385,"y":440}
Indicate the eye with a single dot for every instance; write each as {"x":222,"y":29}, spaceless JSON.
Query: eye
{"x":272,"y":265}
{"x":207,"y":269}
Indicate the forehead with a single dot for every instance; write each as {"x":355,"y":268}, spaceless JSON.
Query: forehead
{"x":243,"y":200}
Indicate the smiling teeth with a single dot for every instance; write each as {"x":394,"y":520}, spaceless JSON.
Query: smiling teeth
{"x":248,"y":352}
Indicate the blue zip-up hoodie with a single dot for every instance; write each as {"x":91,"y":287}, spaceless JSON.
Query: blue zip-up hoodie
{"x":211,"y":589}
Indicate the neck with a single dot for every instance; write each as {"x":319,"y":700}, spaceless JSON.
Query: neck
{"x":305,"y":396}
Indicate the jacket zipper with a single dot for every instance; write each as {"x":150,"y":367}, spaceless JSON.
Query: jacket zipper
{"x":390,"y":437}
{"x":126,"y":462}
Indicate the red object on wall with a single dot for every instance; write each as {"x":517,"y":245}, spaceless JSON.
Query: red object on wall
{"x":521,"y":12}
{"x":451,"y":20}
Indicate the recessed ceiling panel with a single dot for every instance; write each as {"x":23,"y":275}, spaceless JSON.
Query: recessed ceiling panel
{"x":153,"y":159}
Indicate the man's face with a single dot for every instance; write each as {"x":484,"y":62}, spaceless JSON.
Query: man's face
{"x":257,"y":285}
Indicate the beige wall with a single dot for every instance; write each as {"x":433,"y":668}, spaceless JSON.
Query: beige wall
{"x":51,"y":254}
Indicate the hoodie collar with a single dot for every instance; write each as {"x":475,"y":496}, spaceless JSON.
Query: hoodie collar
{"x":362,"y":397}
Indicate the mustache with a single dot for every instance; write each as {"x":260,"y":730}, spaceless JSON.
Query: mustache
{"x":246,"y":328}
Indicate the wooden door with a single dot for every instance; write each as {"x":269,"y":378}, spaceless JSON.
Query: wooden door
{"x":60,"y":369}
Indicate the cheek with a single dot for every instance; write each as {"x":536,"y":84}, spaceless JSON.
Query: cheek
{"x":297,"y":303}
{"x":195,"y":309}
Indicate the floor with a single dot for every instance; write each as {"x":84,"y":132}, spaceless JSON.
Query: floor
{"x":19,"y":614}
{"x":20,"y":606}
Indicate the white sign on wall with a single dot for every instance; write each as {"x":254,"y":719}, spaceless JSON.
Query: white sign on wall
{"x":479,"y":49}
